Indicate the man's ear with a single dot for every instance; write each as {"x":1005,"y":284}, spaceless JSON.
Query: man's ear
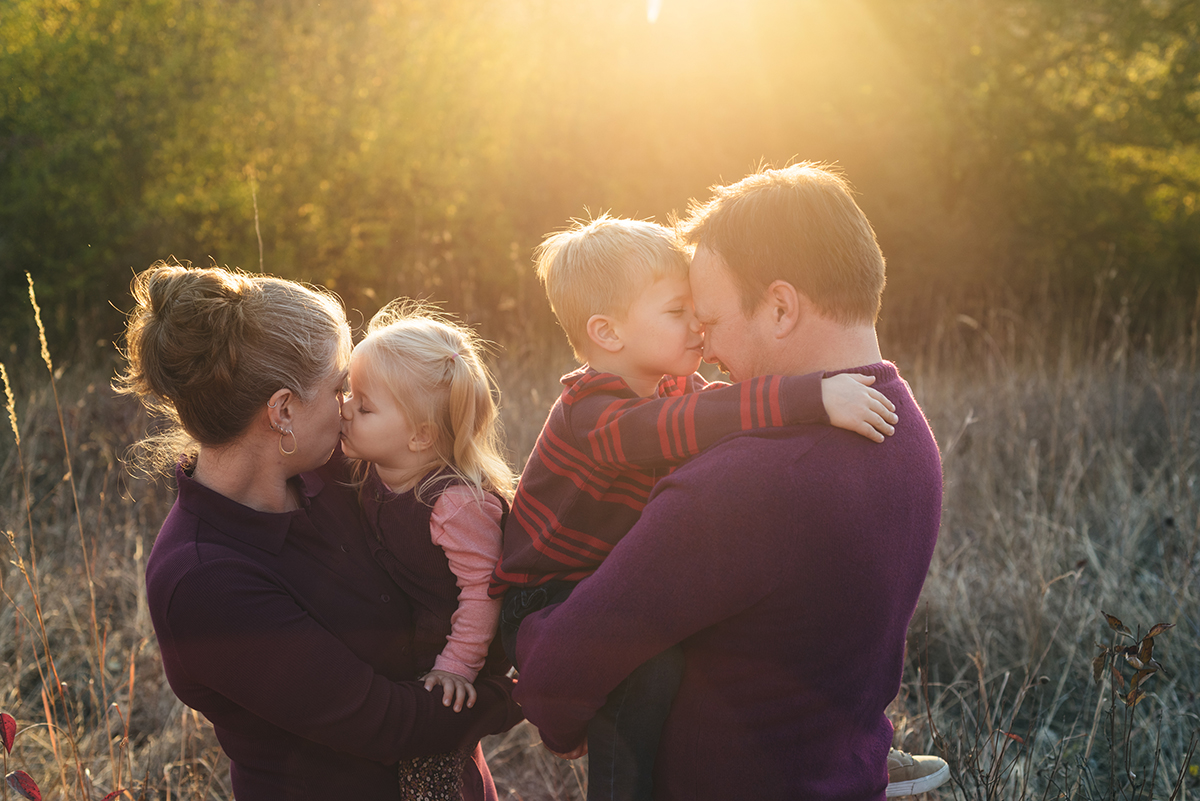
{"x":787,"y":307}
{"x":602,"y":331}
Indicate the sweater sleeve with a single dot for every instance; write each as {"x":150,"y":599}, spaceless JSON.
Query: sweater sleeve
{"x":642,"y":600}
{"x":467,"y":528}
{"x":667,"y":430}
{"x":227,"y":614}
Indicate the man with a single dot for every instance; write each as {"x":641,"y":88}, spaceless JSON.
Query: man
{"x":788,"y":562}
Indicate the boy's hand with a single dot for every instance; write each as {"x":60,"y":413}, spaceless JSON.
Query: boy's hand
{"x":852,"y":404}
{"x":455,"y":688}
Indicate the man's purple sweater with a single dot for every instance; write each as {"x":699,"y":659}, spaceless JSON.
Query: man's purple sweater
{"x":788,"y":562}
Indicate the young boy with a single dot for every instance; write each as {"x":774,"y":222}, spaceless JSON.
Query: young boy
{"x":634,"y":410}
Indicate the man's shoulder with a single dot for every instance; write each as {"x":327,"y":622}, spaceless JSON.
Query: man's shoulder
{"x":775,"y":445}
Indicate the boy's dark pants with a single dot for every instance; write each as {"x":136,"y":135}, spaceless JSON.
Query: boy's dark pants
{"x":623,"y":737}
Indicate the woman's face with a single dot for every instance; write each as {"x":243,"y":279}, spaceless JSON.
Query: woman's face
{"x":317,"y":423}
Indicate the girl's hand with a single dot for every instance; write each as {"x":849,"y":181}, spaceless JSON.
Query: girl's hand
{"x":852,"y":404}
{"x":455,"y":688}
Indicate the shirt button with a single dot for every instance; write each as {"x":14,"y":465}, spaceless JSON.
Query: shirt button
{"x":385,"y":598}
{"x":345,"y":549}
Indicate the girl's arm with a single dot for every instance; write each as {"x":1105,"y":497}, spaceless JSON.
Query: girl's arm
{"x":467,"y":528}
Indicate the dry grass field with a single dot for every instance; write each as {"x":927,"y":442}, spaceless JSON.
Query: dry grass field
{"x":1071,"y":468}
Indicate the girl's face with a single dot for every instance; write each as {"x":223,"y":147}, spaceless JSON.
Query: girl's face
{"x":375,"y":428}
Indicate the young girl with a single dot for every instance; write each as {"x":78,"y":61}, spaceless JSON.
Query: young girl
{"x":421,"y":419}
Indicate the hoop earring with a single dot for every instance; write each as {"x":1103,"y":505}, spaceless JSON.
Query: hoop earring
{"x":271,"y":405}
{"x":295,"y":445}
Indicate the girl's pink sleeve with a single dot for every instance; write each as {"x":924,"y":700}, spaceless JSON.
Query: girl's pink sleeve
{"x":467,"y":528}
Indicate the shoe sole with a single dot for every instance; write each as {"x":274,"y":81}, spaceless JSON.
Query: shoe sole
{"x":921,"y":785}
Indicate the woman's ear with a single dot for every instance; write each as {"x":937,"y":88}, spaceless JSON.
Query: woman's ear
{"x":279,"y":410}
{"x":602,"y":331}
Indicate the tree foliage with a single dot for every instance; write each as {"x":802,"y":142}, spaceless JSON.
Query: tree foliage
{"x":388,"y":147}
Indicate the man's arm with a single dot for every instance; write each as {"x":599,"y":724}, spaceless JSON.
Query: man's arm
{"x":654,"y":590}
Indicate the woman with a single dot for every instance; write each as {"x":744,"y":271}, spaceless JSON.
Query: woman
{"x":271,"y":615}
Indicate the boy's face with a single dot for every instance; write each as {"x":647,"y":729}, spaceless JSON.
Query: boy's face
{"x":660,"y":331}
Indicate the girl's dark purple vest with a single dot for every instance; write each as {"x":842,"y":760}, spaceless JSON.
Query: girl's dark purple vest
{"x":403,"y":546}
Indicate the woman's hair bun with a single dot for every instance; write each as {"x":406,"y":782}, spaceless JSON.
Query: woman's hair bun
{"x":206,"y":347}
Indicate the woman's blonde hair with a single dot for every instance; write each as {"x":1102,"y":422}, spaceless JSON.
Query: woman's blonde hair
{"x":432,"y":367}
{"x":208,"y":347}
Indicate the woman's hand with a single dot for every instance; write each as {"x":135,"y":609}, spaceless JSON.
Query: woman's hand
{"x":455,"y":688}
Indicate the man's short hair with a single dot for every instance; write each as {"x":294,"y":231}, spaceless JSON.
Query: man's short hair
{"x":599,"y":266}
{"x":798,"y":224}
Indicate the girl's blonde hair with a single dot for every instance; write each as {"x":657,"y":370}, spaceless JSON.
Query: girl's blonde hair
{"x":432,"y":367}
{"x":208,"y":347}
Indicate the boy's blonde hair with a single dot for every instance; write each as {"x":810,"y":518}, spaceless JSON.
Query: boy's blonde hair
{"x":599,"y":266}
{"x":431,"y":365}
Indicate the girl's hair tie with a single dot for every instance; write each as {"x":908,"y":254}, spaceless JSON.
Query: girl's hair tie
{"x":454,"y":355}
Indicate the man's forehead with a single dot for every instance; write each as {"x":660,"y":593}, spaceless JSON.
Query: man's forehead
{"x":706,"y":276}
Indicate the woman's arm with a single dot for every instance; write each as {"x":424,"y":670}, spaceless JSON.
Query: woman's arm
{"x":230,"y":627}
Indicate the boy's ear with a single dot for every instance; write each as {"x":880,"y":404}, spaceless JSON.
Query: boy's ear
{"x":602,"y":331}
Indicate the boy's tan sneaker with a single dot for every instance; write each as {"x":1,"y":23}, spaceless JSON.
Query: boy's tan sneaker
{"x":910,"y":775}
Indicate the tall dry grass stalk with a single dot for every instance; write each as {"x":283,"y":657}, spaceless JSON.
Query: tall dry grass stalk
{"x":1072,"y":485}
{"x":1070,"y":458}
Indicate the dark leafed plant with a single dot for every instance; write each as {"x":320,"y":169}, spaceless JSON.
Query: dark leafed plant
{"x":1139,"y":656}
{"x":24,"y":785}
{"x":21,"y":782}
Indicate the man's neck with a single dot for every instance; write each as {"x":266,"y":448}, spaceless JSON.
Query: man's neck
{"x":828,"y":347}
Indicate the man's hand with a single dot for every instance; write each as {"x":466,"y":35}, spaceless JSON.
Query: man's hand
{"x":455,"y":688}
{"x":852,"y":404}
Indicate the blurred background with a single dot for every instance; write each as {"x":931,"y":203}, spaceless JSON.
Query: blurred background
{"x":1031,"y":167}
{"x":1005,"y":150}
